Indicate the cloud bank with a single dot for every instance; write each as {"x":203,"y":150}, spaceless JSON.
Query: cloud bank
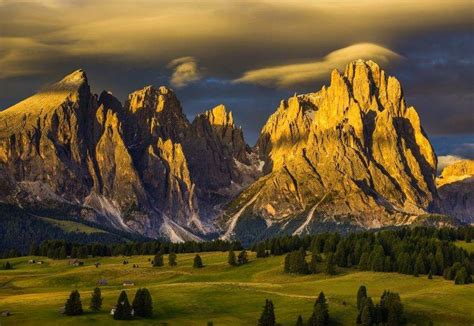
{"x":303,"y":73}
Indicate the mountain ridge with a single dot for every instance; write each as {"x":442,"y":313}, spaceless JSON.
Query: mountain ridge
{"x":352,"y":153}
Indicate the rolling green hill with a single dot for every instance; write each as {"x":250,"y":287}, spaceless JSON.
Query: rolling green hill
{"x":218,"y":292}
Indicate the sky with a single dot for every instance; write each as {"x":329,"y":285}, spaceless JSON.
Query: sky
{"x":248,"y":55}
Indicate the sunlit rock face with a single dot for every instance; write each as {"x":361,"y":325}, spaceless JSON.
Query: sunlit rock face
{"x":456,"y":190}
{"x":353,"y":152}
{"x":140,"y":167}
{"x":352,"y":155}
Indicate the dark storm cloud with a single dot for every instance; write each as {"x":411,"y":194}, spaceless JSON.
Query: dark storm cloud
{"x":124,"y":45}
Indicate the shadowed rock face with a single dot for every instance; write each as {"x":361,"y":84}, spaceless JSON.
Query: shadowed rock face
{"x":353,"y":151}
{"x":456,"y":190}
{"x":64,"y":146}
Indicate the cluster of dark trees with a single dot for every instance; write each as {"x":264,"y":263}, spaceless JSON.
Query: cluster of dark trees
{"x":158,"y":260}
{"x":61,"y":249}
{"x":73,"y":306}
{"x":412,"y":251}
{"x":389,"y":311}
{"x":22,"y":229}
{"x":241,"y":259}
{"x":142,"y":304}
{"x":319,"y":316}
{"x":7,"y":266}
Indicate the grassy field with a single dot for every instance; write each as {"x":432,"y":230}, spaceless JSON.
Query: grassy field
{"x":468,"y":246}
{"x":71,"y":226}
{"x":225,"y":295}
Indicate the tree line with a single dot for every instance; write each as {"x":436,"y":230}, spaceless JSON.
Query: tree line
{"x":62,"y":249}
{"x":409,"y":251}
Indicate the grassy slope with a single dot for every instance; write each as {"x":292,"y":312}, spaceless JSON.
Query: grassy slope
{"x":226,"y":295}
{"x":468,"y":246}
{"x":71,"y":226}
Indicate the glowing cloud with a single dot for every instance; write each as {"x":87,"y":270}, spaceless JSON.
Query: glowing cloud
{"x":185,"y":71}
{"x":294,"y":74}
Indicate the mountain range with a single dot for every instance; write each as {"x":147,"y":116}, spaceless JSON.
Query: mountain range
{"x":351,"y":155}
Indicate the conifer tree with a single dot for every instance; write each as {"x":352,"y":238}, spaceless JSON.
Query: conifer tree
{"x":261,"y":250}
{"x":286,"y":266}
{"x":361,"y":296}
{"x":330,"y":265}
{"x":158,"y":260}
{"x":299,"y":321}
{"x":172,"y":259}
{"x":198,"y":262}
{"x":232,"y":260}
{"x":313,"y":265}
{"x":267,"y":317}
{"x":7,"y":266}
{"x":430,"y":275}
{"x":123,"y":310}
{"x":242,"y":258}
{"x":143,"y":303}
{"x":420,"y":264}
{"x":364,"y":262}
{"x":33,"y":249}
{"x":73,"y":306}
{"x":96,"y":300}
{"x":367,"y":313}
{"x":392,"y":309}
{"x":320,"y":316}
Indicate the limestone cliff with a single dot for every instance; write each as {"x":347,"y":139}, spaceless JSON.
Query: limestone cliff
{"x":353,"y":152}
{"x":135,"y":167}
{"x":456,"y":190}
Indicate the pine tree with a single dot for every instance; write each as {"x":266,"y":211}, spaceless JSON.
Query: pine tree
{"x":330,"y":266}
{"x":430,"y":275}
{"x":143,"y":303}
{"x":420,"y":264}
{"x":96,"y":300}
{"x":198,"y":262}
{"x":392,"y":309}
{"x":268,"y":315}
{"x":73,"y":306}
{"x":299,"y":321}
{"x":313,"y":265}
{"x":172,"y":259}
{"x":123,"y":310}
{"x":7,"y":266}
{"x":286,"y":267}
{"x":364,"y":262}
{"x":33,"y":249}
{"x":361,"y":296}
{"x":158,"y":260}
{"x":242,"y":258}
{"x":340,"y":255}
{"x":62,"y":253}
{"x":320,"y":316}
{"x":461,"y":276}
{"x":261,"y":250}
{"x":367,"y":313}
{"x":232,"y":260}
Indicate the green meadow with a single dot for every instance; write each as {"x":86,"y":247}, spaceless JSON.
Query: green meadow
{"x":218,"y":292}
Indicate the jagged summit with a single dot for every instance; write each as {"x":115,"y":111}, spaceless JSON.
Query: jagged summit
{"x":353,"y":153}
{"x":220,"y":116}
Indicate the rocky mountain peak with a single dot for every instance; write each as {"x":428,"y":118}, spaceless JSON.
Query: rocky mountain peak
{"x":350,"y":152}
{"x":220,"y":116}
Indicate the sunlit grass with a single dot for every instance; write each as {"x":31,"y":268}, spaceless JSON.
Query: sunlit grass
{"x":225,"y":295}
